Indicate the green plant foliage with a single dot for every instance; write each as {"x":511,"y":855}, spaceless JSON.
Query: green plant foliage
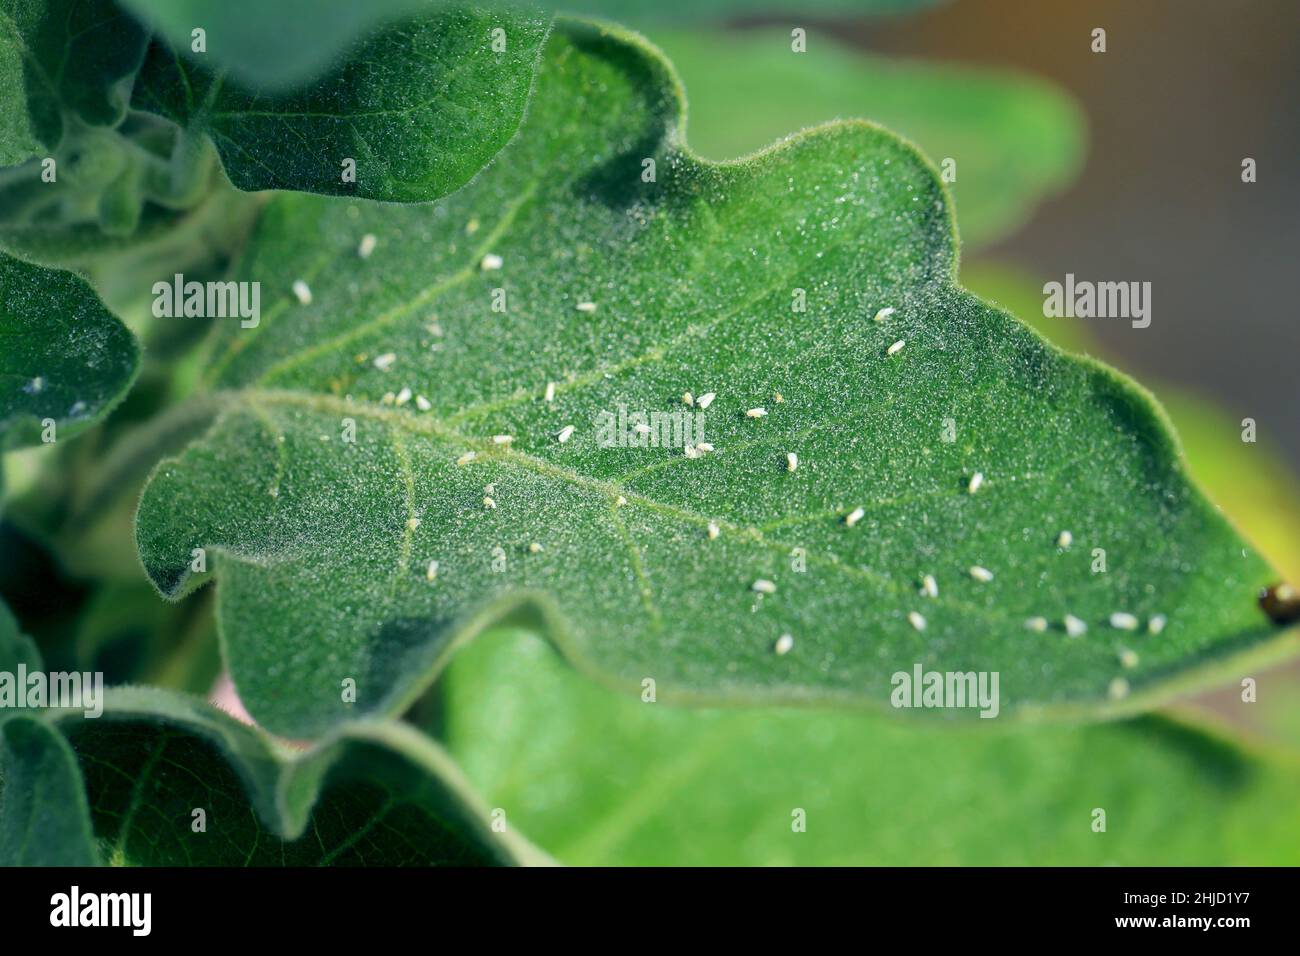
{"x":324,"y":545}
{"x":63,"y":356}
{"x":290,"y":42}
{"x":596,"y":778}
{"x":371,"y":794}
{"x":15,"y":647}
{"x":417,"y":108}
{"x":61,"y":59}
{"x":43,"y":813}
{"x":1013,"y":139}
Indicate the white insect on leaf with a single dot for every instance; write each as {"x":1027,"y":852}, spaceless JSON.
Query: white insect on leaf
{"x":883,"y":314}
{"x":791,"y":461}
{"x":1036,"y":624}
{"x":854,"y":516}
{"x":422,"y":403}
{"x":1064,"y":540}
{"x":586,"y":307}
{"x":491,"y":262}
{"x":1157,"y":623}
{"x":714,"y":531}
{"x":916,"y":620}
{"x":466,"y":458}
{"x":1073,"y":626}
{"x":764,"y":586}
{"x":976,"y":480}
{"x":302,"y":292}
{"x":431,"y":572}
{"x":929,"y":586}
{"x":385,"y":362}
{"x":983,"y":575}
{"x":756,"y":412}
{"x":549,"y":395}
{"x":565,"y":434}
{"x":896,"y":347}
{"x":705,"y":400}
{"x":367,"y":245}
{"x":784,"y":644}
{"x":1123,"y":621}
{"x":502,"y":439}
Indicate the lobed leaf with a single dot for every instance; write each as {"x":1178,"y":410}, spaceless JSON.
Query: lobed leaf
{"x":625,"y":292}
{"x":372,"y":794}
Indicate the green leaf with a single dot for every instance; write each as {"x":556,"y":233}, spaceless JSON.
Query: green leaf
{"x":1014,"y":139}
{"x":371,"y":794}
{"x":323,"y":546}
{"x":18,"y":140}
{"x":44,"y":820}
{"x":61,"y":58}
{"x":599,"y":779}
{"x":418,"y":107}
{"x":63,"y":356}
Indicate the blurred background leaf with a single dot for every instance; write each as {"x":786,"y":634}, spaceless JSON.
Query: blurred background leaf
{"x":1015,"y":138}
{"x":595,"y":777}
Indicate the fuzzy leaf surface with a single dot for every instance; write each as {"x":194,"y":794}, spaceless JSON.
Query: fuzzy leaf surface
{"x":323,"y":545}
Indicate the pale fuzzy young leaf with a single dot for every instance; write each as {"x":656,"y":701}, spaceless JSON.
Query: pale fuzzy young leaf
{"x":62,"y":57}
{"x":64,"y":358}
{"x":416,"y":109}
{"x":648,"y":559}
{"x":371,"y":794}
{"x":44,"y":820}
{"x":1008,"y":140}
{"x":598,"y":779}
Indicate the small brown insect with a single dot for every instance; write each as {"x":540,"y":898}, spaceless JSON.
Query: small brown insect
{"x":1281,"y":603}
